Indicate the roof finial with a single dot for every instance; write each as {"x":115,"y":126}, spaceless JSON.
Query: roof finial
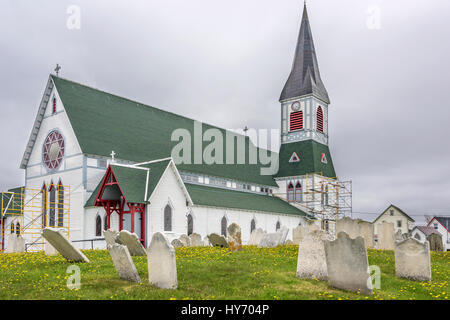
{"x":57,"y":69}
{"x":113,"y":154}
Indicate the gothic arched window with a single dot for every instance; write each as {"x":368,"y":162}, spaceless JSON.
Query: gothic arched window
{"x":44,"y":206}
{"x":167,"y":218}
{"x":13,"y":227}
{"x":290,"y":192}
{"x":298,"y":192}
{"x":52,"y":205}
{"x":320,"y":119}
{"x":278,"y":226}
{"x":252,"y":226}
{"x":190,"y":225}
{"x":98,"y":226}
{"x":18,"y":229}
{"x":296,"y":121}
{"x":223,"y":225}
{"x":60,"y":205}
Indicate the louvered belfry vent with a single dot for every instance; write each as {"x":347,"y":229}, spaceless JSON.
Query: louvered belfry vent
{"x":296,"y":121}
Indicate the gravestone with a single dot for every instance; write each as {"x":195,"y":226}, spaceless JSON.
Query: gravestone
{"x":206,"y":242}
{"x":298,"y":234}
{"x":110,"y":237}
{"x":123,"y":263}
{"x":289,"y":242}
{"x":11,"y":244}
{"x":234,"y":237}
{"x":366,"y":230}
{"x":311,"y":261}
{"x":19,"y":245}
{"x":347,"y":264}
{"x":176,"y":243}
{"x":412,"y":260}
{"x":132,"y":242}
{"x":435,"y":241}
{"x":284,"y":234}
{"x":60,"y":242}
{"x":349,"y":226}
{"x":162,"y":265}
{"x":272,"y":240}
{"x":49,"y":250}
{"x":256,"y":237}
{"x":386,"y":238}
{"x":217,"y":241}
{"x":196,"y":240}
{"x":185,"y":239}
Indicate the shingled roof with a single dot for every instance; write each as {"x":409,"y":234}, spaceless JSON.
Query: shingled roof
{"x":305,"y":76}
{"x":103,"y":122}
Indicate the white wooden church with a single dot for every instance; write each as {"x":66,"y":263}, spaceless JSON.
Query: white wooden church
{"x":116,"y":156}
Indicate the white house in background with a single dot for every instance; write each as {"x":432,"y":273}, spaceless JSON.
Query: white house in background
{"x":442,"y":224}
{"x":396,"y":216}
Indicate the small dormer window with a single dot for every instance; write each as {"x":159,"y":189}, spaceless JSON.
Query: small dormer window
{"x":392,"y":212}
{"x":54,"y":105}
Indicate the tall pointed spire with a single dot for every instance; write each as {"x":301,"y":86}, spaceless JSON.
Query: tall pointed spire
{"x":305,"y":76}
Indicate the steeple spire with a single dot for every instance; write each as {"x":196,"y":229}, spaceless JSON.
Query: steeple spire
{"x":305,"y":76}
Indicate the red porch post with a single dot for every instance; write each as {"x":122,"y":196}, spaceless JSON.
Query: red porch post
{"x":132,"y":208}
{"x":143,"y":225}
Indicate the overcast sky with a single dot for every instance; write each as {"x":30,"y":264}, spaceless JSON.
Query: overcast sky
{"x":385,"y":64}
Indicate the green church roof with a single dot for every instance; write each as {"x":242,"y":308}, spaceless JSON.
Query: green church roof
{"x":14,"y":206}
{"x":222,"y":198}
{"x":104,"y":122}
{"x":310,"y":153}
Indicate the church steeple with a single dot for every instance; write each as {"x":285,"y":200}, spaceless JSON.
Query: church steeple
{"x":305,"y":76}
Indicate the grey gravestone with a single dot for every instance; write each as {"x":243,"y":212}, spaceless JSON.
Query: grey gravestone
{"x":49,"y":250}
{"x":162,"y":265}
{"x":256,"y":237}
{"x":289,"y":242}
{"x":311,"y":262}
{"x":206,"y":242}
{"x":349,"y":226}
{"x":176,"y":243}
{"x":412,"y":260}
{"x":185,"y":239}
{"x":11,"y":245}
{"x":132,"y":241}
{"x":19,"y":245}
{"x":366,"y":231}
{"x":60,"y":242}
{"x":217,"y":241}
{"x":196,"y":240}
{"x":123,"y":263}
{"x":300,"y":232}
{"x":271,"y":240}
{"x":234,"y":237}
{"x":110,"y":237}
{"x":347,"y":264}
{"x":386,"y":238}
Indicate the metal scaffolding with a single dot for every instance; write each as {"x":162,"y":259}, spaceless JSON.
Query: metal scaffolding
{"x":31,"y":210}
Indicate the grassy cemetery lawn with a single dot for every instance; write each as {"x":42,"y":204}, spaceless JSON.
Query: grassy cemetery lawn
{"x":207,"y":273}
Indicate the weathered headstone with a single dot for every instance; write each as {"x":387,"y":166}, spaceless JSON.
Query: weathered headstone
{"x":271,"y":240}
{"x":162,"y":265}
{"x":206,"y":242}
{"x":196,"y":240}
{"x":217,"y":241}
{"x":289,"y":242}
{"x":11,"y":244}
{"x":385,"y":232}
{"x":256,"y":237}
{"x":300,"y":231}
{"x":185,"y":239}
{"x":131,"y":240}
{"x":412,"y":260}
{"x":49,"y":250}
{"x":110,"y":237}
{"x":284,"y":233}
{"x":366,"y":230}
{"x":311,"y":262}
{"x":60,"y":242}
{"x":123,"y":263}
{"x":349,"y":226}
{"x":176,"y":243}
{"x":19,"y":245}
{"x":347,"y":264}
{"x":234,"y":237}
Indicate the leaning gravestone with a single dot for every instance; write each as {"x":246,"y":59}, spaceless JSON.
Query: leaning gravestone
{"x":132,"y":241}
{"x":366,"y":231}
{"x":60,"y":242}
{"x":185,"y":239}
{"x":196,"y":240}
{"x":234,"y":237}
{"x":123,"y":263}
{"x":256,"y":237}
{"x":217,"y":241}
{"x":110,"y":237}
{"x":311,"y":262}
{"x":412,"y":260}
{"x":386,"y":239}
{"x":49,"y":250}
{"x":347,"y":264}
{"x":19,"y":245}
{"x":162,"y":265}
{"x":176,"y":243}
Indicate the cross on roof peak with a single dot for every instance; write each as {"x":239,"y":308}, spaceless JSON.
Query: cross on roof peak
{"x":113,"y":154}
{"x":57,"y":69}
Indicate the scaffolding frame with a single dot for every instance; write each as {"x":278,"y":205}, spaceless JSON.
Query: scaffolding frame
{"x":33,"y":209}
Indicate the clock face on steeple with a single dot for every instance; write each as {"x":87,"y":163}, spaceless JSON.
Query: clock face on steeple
{"x":53,"y":150}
